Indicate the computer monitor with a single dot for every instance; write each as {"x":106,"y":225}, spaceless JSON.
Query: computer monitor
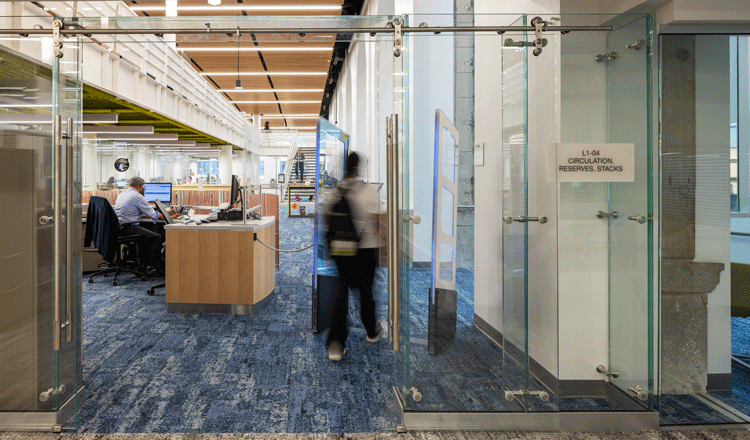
{"x":234,"y":194}
{"x":163,"y":211}
{"x":158,"y":191}
{"x":122,"y":183}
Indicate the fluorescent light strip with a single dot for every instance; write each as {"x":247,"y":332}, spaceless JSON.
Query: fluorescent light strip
{"x":262,"y":73}
{"x":163,"y":143}
{"x":275,"y":102}
{"x":242,"y":8}
{"x":257,"y":49}
{"x":119,"y":129}
{"x":37,"y":118}
{"x":137,"y":137}
{"x":26,"y":106}
{"x":293,"y":115}
{"x":293,"y":128}
{"x":268,"y":90}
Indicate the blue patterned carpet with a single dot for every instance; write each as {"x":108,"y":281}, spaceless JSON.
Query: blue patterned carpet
{"x":149,"y":371}
{"x":688,"y":410}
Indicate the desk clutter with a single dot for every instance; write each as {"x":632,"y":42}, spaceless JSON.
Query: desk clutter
{"x":206,"y":197}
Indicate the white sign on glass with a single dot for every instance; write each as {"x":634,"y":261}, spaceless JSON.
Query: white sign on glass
{"x":591,"y":163}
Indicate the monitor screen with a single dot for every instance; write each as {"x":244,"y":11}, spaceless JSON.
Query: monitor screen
{"x":122,"y":183}
{"x":158,"y":191}
{"x":234,"y":193}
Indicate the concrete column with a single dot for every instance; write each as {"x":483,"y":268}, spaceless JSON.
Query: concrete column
{"x":685,"y":283}
{"x":225,"y":164}
{"x":139,"y":167}
{"x":256,"y":121}
{"x":90,"y":166}
{"x":463,"y":86}
{"x":238,"y":166}
{"x":178,"y":171}
{"x":193,"y":171}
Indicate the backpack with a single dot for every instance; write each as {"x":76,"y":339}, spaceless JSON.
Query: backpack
{"x":342,"y":238}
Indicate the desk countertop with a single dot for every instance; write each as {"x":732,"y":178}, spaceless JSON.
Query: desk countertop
{"x":252,"y":225}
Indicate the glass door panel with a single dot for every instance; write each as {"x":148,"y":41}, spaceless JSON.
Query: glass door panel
{"x":67,"y":109}
{"x":41,"y":329}
{"x":515,"y":228}
{"x":631,"y":234}
{"x":331,"y":149}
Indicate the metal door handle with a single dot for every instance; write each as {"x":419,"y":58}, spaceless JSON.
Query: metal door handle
{"x":509,"y":219}
{"x":43,"y":220}
{"x":69,"y":256}
{"x":393,"y":229}
{"x":602,"y":214}
{"x":57,"y":198}
{"x":638,"y":218}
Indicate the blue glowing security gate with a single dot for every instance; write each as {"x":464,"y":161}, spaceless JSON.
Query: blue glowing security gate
{"x":443,"y":296}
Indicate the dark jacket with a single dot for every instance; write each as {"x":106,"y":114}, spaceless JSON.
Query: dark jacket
{"x":102,"y":227}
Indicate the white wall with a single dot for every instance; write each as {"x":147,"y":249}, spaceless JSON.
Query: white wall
{"x":431,"y":60}
{"x":712,"y":235}
{"x":582,"y":250}
{"x":543,"y":129}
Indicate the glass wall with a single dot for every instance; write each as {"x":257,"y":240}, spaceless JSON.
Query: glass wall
{"x":40,"y":165}
{"x":535,"y":241}
{"x":705,"y":229}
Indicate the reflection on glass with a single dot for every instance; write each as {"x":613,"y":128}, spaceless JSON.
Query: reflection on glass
{"x":448,"y":162}
{"x":446,"y":263}
{"x":446,"y":211}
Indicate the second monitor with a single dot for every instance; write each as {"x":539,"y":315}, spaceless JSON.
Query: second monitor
{"x":158,"y":191}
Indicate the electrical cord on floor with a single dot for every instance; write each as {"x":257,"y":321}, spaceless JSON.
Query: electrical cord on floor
{"x":281,"y":250}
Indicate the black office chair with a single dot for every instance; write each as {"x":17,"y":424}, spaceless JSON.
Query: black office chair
{"x":103,"y":229}
{"x":167,"y":219}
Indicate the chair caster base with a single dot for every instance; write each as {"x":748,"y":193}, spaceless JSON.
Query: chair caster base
{"x":150,"y":292}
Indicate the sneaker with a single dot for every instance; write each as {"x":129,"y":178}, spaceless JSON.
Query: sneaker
{"x":377,"y":336}
{"x":335,"y":351}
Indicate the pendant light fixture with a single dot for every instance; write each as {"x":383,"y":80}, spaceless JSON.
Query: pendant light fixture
{"x":238,"y":83}
{"x":214,"y":2}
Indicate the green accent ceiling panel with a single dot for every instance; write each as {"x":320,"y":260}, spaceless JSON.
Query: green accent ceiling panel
{"x":17,"y":71}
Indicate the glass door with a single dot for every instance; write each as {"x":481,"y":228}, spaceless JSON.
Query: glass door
{"x":515,"y":229}
{"x":631,"y":323}
{"x":40,"y":329}
{"x":67,"y":97}
{"x":331,"y":149}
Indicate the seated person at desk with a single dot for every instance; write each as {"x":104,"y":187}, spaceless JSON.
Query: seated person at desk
{"x":131,"y":207}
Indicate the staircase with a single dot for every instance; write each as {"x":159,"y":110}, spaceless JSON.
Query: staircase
{"x":289,"y":174}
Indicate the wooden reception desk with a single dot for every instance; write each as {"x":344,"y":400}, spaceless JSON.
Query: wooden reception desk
{"x":218,"y":267}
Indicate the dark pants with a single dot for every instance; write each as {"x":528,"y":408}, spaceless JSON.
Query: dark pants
{"x":299,"y":170}
{"x":356,"y":272}
{"x":150,"y":243}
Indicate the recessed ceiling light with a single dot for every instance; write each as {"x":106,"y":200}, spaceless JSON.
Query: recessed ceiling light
{"x":261,"y":73}
{"x":311,"y":116}
{"x":258,"y":49}
{"x":270,"y":90}
{"x":275,"y":102}
{"x":292,"y":128}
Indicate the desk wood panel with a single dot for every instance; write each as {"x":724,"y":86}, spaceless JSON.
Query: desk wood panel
{"x":228,"y":247}
{"x":263,"y":266}
{"x":219,"y":267}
